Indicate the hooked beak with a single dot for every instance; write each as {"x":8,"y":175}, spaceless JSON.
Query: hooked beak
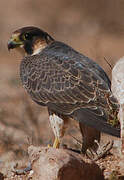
{"x":14,"y":42}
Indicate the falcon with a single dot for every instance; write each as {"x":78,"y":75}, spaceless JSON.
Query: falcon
{"x":69,"y":84}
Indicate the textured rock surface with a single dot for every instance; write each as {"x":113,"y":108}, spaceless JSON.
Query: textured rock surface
{"x":60,"y":164}
{"x":118,"y":91}
{"x":118,"y":80}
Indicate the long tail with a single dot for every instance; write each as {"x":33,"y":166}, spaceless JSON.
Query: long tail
{"x":89,"y":118}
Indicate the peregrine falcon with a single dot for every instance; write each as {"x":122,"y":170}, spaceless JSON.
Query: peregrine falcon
{"x":69,"y":84}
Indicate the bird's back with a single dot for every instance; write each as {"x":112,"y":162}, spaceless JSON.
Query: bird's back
{"x":69,"y":82}
{"x":61,"y":49}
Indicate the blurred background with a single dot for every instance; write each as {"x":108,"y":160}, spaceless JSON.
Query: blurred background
{"x":95,"y":28}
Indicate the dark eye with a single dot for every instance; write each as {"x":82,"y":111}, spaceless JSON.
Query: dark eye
{"x":27,"y":36}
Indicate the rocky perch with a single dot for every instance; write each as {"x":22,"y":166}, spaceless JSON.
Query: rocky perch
{"x":60,"y":164}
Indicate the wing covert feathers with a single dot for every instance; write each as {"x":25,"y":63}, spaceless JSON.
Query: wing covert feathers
{"x":68,"y":82}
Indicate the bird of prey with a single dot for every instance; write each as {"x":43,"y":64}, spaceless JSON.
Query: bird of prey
{"x":71,"y":85}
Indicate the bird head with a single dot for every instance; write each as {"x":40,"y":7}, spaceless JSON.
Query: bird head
{"x":31,"y":39}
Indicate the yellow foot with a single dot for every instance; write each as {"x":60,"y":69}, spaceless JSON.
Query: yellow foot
{"x":48,"y":145}
{"x":56,"y":143}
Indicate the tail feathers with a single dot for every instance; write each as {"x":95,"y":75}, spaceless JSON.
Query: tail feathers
{"x":89,"y":118}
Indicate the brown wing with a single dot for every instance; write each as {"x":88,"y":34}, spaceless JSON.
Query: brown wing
{"x":64,"y":83}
